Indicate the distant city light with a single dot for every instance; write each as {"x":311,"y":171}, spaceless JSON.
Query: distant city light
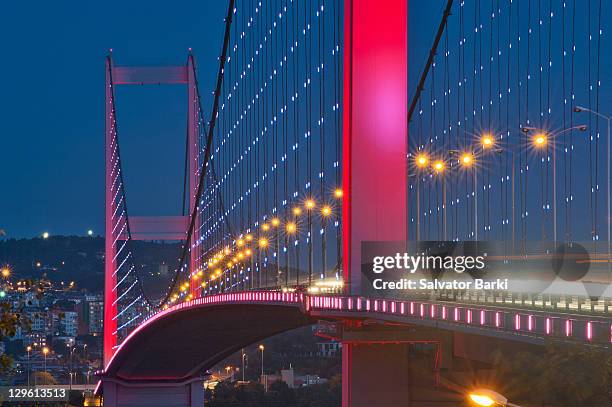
{"x":6,"y":272}
{"x":2,"y":294}
{"x":45,"y":235}
{"x":90,"y":232}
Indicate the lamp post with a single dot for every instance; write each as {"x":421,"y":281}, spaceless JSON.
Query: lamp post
{"x":70,"y":367}
{"x":261,"y":348}
{"x":45,"y":351}
{"x":542,"y":139}
{"x":579,"y":109}
{"x":468,"y":159}
{"x":29,"y":350}
{"x":243,"y":357}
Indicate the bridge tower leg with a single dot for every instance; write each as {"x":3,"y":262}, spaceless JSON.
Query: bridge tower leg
{"x":194,"y":165}
{"x":375,"y":99}
{"x":110,"y":262}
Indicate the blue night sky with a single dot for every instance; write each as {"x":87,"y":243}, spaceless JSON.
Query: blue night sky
{"x":52,"y":105}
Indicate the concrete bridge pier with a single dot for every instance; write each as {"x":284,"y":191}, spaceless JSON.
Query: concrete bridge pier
{"x":158,"y":393}
{"x":376,"y":364}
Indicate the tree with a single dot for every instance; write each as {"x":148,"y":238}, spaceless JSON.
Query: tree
{"x":565,"y":375}
{"x":44,"y":378}
{"x":10,"y":321}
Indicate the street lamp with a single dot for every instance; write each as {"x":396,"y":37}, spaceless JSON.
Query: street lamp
{"x":487,"y":141}
{"x":467,"y":159}
{"x":70,"y":367}
{"x":421,"y":160}
{"x":579,"y":109}
{"x":243,"y":357}
{"x":489,"y":398}
{"x":541,"y":139}
{"x":29,"y":350}
{"x":45,"y":351}
{"x":261,"y":348}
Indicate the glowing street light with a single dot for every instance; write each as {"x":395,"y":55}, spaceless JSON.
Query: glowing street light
{"x":262,"y":348}
{"x":45,"y":235}
{"x":489,"y":398}
{"x":291,"y":227}
{"x":309,"y":204}
{"x":297,"y":211}
{"x":487,"y":141}
{"x":275,"y":222}
{"x":467,"y":159}
{"x":29,"y":350}
{"x":6,"y":272}
{"x":263,"y":242}
{"x":265,"y":227}
{"x":421,"y":160}
{"x":326,"y":211}
{"x":540,"y":140}
{"x":90,"y":232}
{"x":45,"y":352}
{"x":439,"y":166}
{"x":338,"y":193}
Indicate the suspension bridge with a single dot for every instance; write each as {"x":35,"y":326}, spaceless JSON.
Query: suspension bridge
{"x":321,"y":134}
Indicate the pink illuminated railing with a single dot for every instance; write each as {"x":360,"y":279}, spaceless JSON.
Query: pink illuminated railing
{"x":579,"y":328}
{"x":510,"y":321}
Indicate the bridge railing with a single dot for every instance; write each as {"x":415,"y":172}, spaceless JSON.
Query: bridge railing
{"x":530,"y":324}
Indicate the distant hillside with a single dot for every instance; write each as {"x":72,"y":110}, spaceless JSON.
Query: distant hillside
{"x":80,"y":259}
{"x":58,"y":258}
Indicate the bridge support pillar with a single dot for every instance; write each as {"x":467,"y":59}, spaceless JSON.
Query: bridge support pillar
{"x":375,"y":99}
{"x":376,"y":362}
{"x":118,"y":393}
{"x":375,"y":374}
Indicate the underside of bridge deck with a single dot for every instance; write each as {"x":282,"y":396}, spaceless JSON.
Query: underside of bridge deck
{"x":185,"y":344}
